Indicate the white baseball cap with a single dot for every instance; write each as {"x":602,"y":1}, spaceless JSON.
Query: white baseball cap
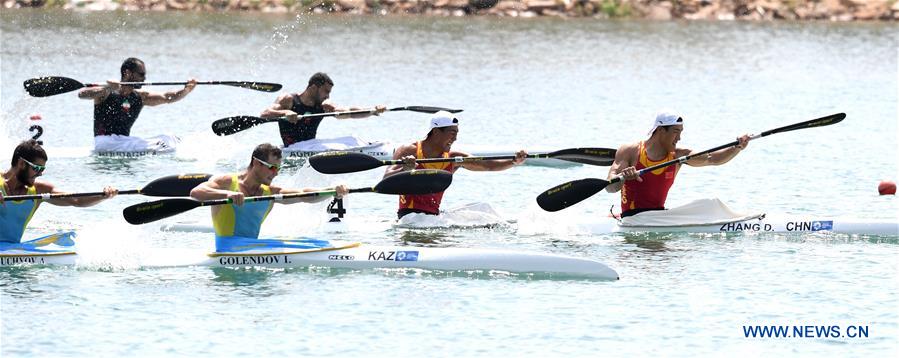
{"x":443,"y":119}
{"x":666,"y":118}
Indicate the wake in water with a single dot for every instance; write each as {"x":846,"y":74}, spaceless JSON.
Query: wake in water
{"x":471,"y":215}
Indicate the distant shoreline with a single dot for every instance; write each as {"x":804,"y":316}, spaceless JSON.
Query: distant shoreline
{"x":751,"y":10}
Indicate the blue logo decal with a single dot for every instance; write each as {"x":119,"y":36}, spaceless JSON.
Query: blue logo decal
{"x":822,"y":225}
{"x":407,"y":256}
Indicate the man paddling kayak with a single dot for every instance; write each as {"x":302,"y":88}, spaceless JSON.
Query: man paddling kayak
{"x":237,"y":225}
{"x":29,"y":160}
{"x":444,"y":128}
{"x":116,"y":108}
{"x":313,"y":100}
{"x":649,"y":192}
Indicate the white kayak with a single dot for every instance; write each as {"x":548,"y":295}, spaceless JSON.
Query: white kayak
{"x":360,"y":256}
{"x":116,"y":146}
{"x":712,"y":216}
{"x":337,"y":254}
{"x":763,"y":224}
{"x":384,"y":150}
{"x":55,"y":249}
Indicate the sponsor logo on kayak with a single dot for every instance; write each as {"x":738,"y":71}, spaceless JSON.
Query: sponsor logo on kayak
{"x":744,"y":226}
{"x":253,"y":260}
{"x":810,"y":225}
{"x":142,"y":153}
{"x":13,"y":260}
{"x":393,"y":255}
{"x":307,"y":154}
{"x":341,"y":257}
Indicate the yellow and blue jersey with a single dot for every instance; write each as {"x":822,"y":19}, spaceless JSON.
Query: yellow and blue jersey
{"x":15,"y":215}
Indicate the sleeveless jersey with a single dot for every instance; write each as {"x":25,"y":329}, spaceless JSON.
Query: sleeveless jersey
{"x":304,"y":129}
{"x":116,"y":114}
{"x":15,"y":215}
{"x":243,"y":221}
{"x":429,"y":203}
{"x":653,"y":190}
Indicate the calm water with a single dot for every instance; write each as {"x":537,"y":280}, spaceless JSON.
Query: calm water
{"x":523,"y":83}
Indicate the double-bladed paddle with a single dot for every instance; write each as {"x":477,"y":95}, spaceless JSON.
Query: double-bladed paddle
{"x":351,"y":162}
{"x":411,"y":182}
{"x":172,"y":185}
{"x":231,"y":125}
{"x":573,"y":192}
{"x":49,"y":86}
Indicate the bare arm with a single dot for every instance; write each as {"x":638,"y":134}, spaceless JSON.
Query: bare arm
{"x":407,"y":154}
{"x":215,"y":188}
{"x":491,"y":165}
{"x":341,"y":191}
{"x":281,"y":108}
{"x":718,"y":157}
{"x":98,"y":94}
{"x":625,"y":159}
{"x":44,"y":187}
{"x":374,"y":112}
{"x":156,"y":98}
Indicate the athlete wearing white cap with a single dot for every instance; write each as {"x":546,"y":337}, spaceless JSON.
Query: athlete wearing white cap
{"x":442,"y":132}
{"x":649,"y":192}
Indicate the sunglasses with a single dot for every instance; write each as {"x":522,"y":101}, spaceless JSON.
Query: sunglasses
{"x":35,"y":167}
{"x":270,"y":166}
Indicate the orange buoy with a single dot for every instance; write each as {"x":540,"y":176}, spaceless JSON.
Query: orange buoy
{"x":887,"y":187}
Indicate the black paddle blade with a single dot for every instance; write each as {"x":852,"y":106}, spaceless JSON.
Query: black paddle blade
{"x":343,"y":162}
{"x":156,"y":210}
{"x":570,"y":193}
{"x":426,"y":109}
{"x":48,"y":86}
{"x":231,"y":125}
{"x":259,"y":86}
{"x":174,"y":185}
{"x":818,"y":122}
{"x":415,"y":182}
{"x":591,"y":156}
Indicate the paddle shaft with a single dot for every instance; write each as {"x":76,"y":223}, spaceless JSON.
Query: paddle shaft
{"x":561,"y":154}
{"x":175,"y":83}
{"x":280,"y":197}
{"x":466,"y":159}
{"x":65,"y":195}
{"x":358,"y":111}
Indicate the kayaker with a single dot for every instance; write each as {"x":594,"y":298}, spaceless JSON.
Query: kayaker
{"x":311,"y":101}
{"x":649,"y":192}
{"x":237,"y":225}
{"x":116,"y":108}
{"x":444,"y":128}
{"x":29,"y":160}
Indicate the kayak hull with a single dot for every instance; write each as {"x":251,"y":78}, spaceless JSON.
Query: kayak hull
{"x":22,"y":258}
{"x":349,"y":256}
{"x":763,"y":225}
{"x":53,"y":249}
{"x":358,"y":256}
{"x":754,"y":226}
